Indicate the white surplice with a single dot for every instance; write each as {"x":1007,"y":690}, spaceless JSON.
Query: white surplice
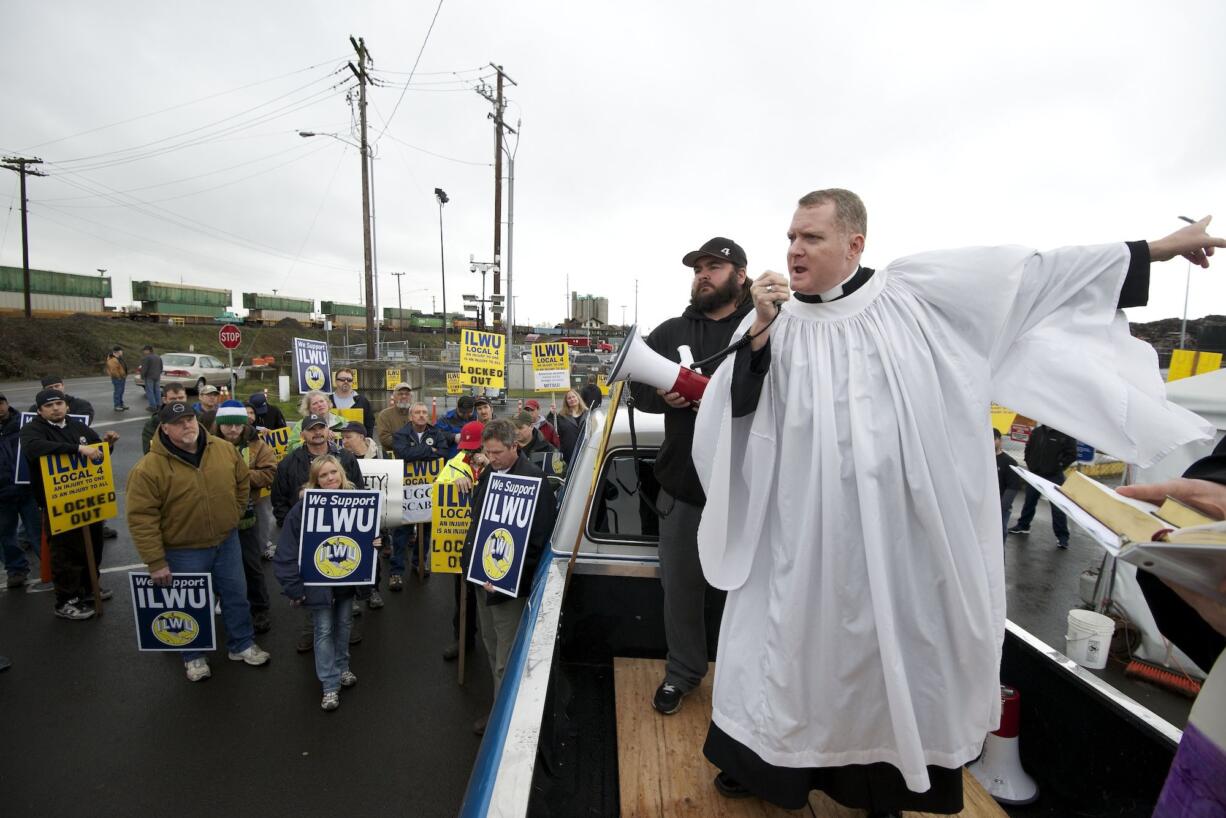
{"x":854,"y":517}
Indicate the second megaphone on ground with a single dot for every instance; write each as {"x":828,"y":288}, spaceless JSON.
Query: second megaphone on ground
{"x":640,"y":363}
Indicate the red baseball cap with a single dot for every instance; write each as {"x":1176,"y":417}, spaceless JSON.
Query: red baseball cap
{"x":470,"y":435}
{"x":532,"y":403}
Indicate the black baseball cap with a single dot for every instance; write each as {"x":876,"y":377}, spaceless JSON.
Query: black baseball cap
{"x":177,"y":410}
{"x":314,"y":420}
{"x":720,"y":248}
{"x":48,"y":396}
{"x":482,"y":402}
{"x":355,"y":426}
{"x":50,"y":379}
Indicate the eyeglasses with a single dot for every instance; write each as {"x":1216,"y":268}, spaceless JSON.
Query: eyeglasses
{"x":344,"y":380}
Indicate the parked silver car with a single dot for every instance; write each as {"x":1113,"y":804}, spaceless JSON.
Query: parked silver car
{"x":193,"y":370}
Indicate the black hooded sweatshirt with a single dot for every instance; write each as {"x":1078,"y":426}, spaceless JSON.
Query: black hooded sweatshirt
{"x":704,"y":336}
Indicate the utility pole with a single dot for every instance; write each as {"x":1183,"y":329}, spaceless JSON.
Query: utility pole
{"x":399,"y":305}
{"x":496,"y":99}
{"x":443,"y":199}
{"x":359,"y":45}
{"x":21,"y":165}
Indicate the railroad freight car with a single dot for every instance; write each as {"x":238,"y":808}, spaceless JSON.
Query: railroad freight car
{"x":52,"y":294}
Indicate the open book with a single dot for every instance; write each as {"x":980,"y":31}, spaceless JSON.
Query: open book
{"x":1172,"y":541}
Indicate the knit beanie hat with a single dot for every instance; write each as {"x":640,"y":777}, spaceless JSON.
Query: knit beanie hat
{"x":231,"y":411}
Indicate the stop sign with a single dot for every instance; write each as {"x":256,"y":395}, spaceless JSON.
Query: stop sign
{"x":230,"y":336}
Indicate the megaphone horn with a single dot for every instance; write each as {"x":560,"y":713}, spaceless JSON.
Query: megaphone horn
{"x":640,"y":363}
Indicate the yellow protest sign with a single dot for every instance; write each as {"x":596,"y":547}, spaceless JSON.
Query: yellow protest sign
{"x":277,"y":440}
{"x":454,"y":386}
{"x":1002,"y":419}
{"x":448,"y":526}
{"x":602,"y":384}
{"x":78,"y":491}
{"x":551,"y":366}
{"x":353,"y":413}
{"x":482,"y":359}
{"x":392,"y":377}
{"x":1188,"y":362}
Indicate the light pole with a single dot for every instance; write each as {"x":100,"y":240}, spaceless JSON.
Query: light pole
{"x":441,"y":195}
{"x":484,"y":268}
{"x":102,"y":274}
{"x":372,"y":339}
{"x":1187,"y":287}
{"x":399,"y":305}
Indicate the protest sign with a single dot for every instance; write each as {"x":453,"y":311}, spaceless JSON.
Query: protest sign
{"x":501,"y":541}
{"x":277,"y":440}
{"x":482,"y":359}
{"x":454,"y":385}
{"x":1188,"y":362}
{"x":602,"y":383}
{"x":419,"y":476}
{"x":551,"y":366}
{"x":387,"y":478}
{"x":178,"y":618}
{"x":351,"y":414}
{"x":450,"y":515}
{"x":391,"y":378}
{"x":78,"y":491}
{"x":22,"y":476}
{"x":339,"y":528}
{"x":312,"y":365}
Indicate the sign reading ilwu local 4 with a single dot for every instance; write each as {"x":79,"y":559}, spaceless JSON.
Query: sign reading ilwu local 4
{"x":501,"y":541}
{"x":311,"y":363}
{"x":482,"y":359}
{"x":448,"y":524}
{"x":339,"y":528}
{"x":551,"y":366}
{"x":176,"y":618}
{"x":419,"y":477}
{"x":79,"y":492}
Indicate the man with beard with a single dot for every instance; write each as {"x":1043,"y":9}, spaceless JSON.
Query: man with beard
{"x":395,"y":416}
{"x":719,"y":300}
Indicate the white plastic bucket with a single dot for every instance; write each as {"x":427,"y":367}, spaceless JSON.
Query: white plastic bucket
{"x":1088,"y":640}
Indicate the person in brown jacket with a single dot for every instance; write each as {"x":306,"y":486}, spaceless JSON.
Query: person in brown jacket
{"x":117,"y":369}
{"x":184,"y":501}
{"x":231,"y":426}
{"x":392,"y":419}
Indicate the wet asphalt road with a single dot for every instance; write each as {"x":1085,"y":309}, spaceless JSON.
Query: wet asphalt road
{"x":93,"y":727}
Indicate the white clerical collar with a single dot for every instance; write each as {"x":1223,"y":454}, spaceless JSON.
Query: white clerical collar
{"x":837,"y":290}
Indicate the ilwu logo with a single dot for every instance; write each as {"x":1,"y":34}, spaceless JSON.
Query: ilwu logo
{"x":338,"y":557}
{"x":175,"y":628}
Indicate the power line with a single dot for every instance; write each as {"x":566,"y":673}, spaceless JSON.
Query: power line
{"x":193,"y":133}
{"x":396,"y":139}
{"x":420,"y":51}
{"x":185,"y":104}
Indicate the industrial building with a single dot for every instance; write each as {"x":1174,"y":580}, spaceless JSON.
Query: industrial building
{"x":584,"y":308}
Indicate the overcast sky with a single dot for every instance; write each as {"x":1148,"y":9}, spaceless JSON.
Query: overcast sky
{"x":646,"y":129}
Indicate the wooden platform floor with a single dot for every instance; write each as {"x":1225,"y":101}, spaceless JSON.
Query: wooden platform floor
{"x":664,"y":774}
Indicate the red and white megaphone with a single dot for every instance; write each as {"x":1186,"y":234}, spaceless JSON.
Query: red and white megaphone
{"x":640,"y":363}
{"x":999,"y":769}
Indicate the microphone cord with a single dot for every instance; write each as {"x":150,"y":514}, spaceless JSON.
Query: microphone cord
{"x":742,"y":342}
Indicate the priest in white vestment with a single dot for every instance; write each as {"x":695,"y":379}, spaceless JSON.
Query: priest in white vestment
{"x":852,"y":509}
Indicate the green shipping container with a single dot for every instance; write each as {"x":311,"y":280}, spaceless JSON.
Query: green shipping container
{"x":170,"y":308}
{"x":397,"y":314}
{"x":181,"y":294}
{"x":259,"y":301}
{"x":12,"y":280}
{"x":337,"y":308}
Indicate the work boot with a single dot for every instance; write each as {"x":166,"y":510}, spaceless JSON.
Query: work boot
{"x":729,"y":787}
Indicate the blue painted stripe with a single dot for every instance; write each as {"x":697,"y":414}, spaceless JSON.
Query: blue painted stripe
{"x":489,"y":756}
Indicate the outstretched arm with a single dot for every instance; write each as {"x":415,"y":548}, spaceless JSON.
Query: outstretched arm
{"x":1192,"y":242}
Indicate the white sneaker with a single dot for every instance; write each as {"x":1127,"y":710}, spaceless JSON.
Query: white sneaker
{"x":348,"y":679}
{"x":331,"y":701}
{"x":198,"y":670}
{"x":254,"y":655}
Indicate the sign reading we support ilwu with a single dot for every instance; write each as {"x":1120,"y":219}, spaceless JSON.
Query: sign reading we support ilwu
{"x":450,"y":516}
{"x":79,"y":492}
{"x":176,"y":618}
{"x":501,"y":541}
{"x":551,"y":366}
{"x":482,"y":358}
{"x":337,"y":544}
{"x":312,"y":365}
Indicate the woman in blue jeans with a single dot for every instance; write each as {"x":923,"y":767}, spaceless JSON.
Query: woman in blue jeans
{"x":331,"y":608}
